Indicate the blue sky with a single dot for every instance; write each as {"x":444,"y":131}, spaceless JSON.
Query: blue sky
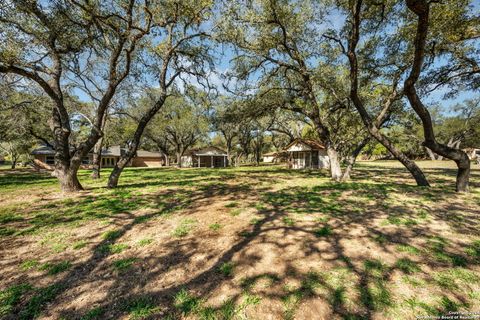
{"x":224,"y":55}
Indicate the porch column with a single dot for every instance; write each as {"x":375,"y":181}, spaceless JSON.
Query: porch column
{"x":224,"y":157}
{"x":211,"y":160}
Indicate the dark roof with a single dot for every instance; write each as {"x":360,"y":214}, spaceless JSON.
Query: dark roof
{"x":207,"y":151}
{"x":113,"y":151}
{"x":43,"y":150}
{"x":312,"y":144}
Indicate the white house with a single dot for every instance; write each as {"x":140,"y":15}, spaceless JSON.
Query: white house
{"x":209,"y":157}
{"x":304,"y":154}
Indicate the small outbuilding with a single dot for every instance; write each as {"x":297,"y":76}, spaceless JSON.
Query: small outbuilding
{"x":307,"y":154}
{"x":275,"y":157}
{"x":208,"y":157}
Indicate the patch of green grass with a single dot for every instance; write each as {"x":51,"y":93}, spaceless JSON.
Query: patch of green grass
{"x":11,"y":296}
{"x":58,"y":247}
{"x":408,"y":249}
{"x":112,"y":235}
{"x":145,"y":242}
{"x":112,"y":248}
{"x":407,"y":266}
{"x":215,"y":226}
{"x":254,"y":221}
{"x":226,"y":269}
{"x":246,"y":234}
{"x":141,"y":308}
{"x":10,"y":217}
{"x":125,"y":264}
{"x":248,"y":283}
{"x":185,"y":302}
{"x":227,"y":310}
{"x":42,"y":297}
{"x":93,"y":314}
{"x":183,"y":228}
{"x":401,"y":221}
{"x":323,"y":219}
{"x":436,"y":248}
{"x":55,"y":268}
{"x":380,"y":239}
{"x":232,"y":204}
{"x":29,"y":264}
{"x":473,"y":250}
{"x":288,"y":221}
{"x":79,"y":245}
{"x":235,"y":212}
{"x":7,"y":231}
{"x":324,"y":231}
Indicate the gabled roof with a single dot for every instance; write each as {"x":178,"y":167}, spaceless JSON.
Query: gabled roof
{"x":207,"y":151}
{"x":312,"y":144}
{"x":43,"y":150}
{"x":113,"y":151}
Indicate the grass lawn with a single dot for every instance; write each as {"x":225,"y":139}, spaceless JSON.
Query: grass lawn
{"x":240,"y":243}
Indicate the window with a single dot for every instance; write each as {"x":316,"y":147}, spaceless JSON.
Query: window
{"x":50,"y":160}
{"x":85,"y":160}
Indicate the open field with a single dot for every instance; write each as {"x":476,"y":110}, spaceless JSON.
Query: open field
{"x":240,"y":243}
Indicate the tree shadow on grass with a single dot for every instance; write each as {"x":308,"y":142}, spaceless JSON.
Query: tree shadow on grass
{"x":326,"y":239}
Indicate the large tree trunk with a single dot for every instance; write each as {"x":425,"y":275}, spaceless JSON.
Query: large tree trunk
{"x":67,"y":176}
{"x":229,"y":152}
{"x":14,"y":161}
{"x":335,"y":168}
{"x":411,"y":166}
{"x":117,"y":171}
{"x":353,"y":158}
{"x":179,"y":159}
{"x":422,"y":9}
{"x":97,"y":159}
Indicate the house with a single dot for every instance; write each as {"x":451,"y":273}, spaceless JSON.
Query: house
{"x":275,"y":157}
{"x":305,"y":154}
{"x":2,"y":160}
{"x":209,"y":157}
{"x":44,"y":158}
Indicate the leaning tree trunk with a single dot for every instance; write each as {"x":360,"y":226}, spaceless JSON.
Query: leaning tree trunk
{"x":167,"y":161}
{"x":357,"y":102}
{"x":117,"y":171}
{"x":353,"y":158}
{"x":97,"y":159}
{"x":421,"y":8}
{"x":132,"y":148}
